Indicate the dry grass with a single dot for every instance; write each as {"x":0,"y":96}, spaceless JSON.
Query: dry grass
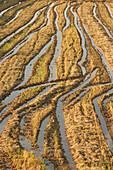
{"x":61,"y":20}
{"x":100,"y":37}
{"x":71,"y":53}
{"x":21,"y":35}
{"x":24,"y":17}
{"x":52,"y":145}
{"x":110,"y":4}
{"x":15,"y":65}
{"x":12,"y":12}
{"x":83,"y":130}
{"x":104,"y":16}
{"x":40,"y":73}
{"x":19,"y":158}
{"x":84,"y":133}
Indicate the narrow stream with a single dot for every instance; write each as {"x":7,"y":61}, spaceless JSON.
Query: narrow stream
{"x":95,"y":102}
{"x":66,"y":17}
{"x":82,"y":94}
{"x":59,"y":114}
{"x":25,"y":143}
{"x":100,"y":22}
{"x":64,"y":142}
{"x":104,"y":62}
{"x":104,"y":105}
{"x":19,"y":3}
{"x":107,"y":100}
{"x":52,"y":66}
{"x":86,"y":80}
{"x":15,"y":93}
{"x":26,"y":39}
{"x":3,"y":123}
{"x":23,"y":27}
{"x":5,"y":10}
{"x":109,"y":10}
{"x":16,"y":16}
{"x":83,"y":40}
{"x":30,"y":101}
{"x":4,"y":110}
{"x":16,"y":48}
{"x":37,"y":96}
{"x":102,"y":121}
{"x":29,"y":67}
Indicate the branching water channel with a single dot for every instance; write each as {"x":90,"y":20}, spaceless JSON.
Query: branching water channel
{"x":52,"y":66}
{"x":55,"y":92}
{"x":95,"y":100}
{"x":20,"y":29}
{"x":100,"y":22}
{"x":27,"y":38}
{"x":109,"y":10}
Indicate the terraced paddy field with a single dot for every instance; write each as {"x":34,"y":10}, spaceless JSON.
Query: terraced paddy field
{"x":56,"y":84}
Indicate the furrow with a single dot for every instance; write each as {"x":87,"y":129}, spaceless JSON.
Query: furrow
{"x":83,"y":39}
{"x":29,"y":67}
{"x":23,"y":27}
{"x":52,"y":66}
{"x":105,"y":63}
{"x":2,"y":12}
{"x":66,"y":17}
{"x":100,"y":22}
{"x":109,"y":10}
{"x":102,"y":120}
{"x":29,"y":34}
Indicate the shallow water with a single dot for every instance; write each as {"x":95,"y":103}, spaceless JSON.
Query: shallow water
{"x":109,"y":10}
{"x":87,"y":78}
{"x":67,"y":18}
{"x":23,"y":27}
{"x":102,"y":121}
{"x":100,"y":22}
{"x":104,"y":62}
{"x":27,"y":38}
{"x":52,"y":66}
{"x":3,"y":123}
{"x":83,"y":41}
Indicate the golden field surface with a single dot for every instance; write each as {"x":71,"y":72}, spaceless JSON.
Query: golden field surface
{"x":56,"y":85}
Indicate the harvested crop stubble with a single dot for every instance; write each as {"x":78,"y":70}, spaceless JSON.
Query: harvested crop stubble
{"x":36,"y":25}
{"x":110,"y":106}
{"x":12,"y":42}
{"x":61,"y":20}
{"x":50,"y":99}
{"x":109,"y":111}
{"x":84,"y":81}
{"x":22,"y":34}
{"x":16,"y":64}
{"x":52,"y":145}
{"x":86,"y":140}
{"x":40,"y":72}
{"x":24,"y":17}
{"x":12,"y":12}
{"x":104,"y":16}
{"x":18,"y":158}
{"x":95,"y":61}
{"x":110,"y":4}
{"x":71,"y":53}
{"x":96,"y":31}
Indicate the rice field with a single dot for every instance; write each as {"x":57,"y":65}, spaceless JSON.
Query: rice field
{"x":56,"y":84}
